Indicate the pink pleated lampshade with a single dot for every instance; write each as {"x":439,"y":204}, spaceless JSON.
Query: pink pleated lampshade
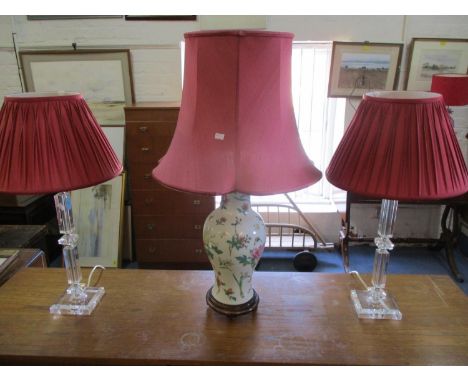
{"x":400,"y":146}
{"x":236,"y":129}
{"x":453,"y":87}
{"x":51,"y":142}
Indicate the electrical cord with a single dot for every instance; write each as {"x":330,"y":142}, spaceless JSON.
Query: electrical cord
{"x":99,"y":276}
{"x":358,"y":276}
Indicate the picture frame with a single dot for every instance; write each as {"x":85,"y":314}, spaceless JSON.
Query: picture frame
{"x":71,"y":17}
{"x":358,"y":67}
{"x":103,"y":77}
{"x":116,"y":137}
{"x":161,"y":17}
{"x":98,"y":214}
{"x":429,"y":56}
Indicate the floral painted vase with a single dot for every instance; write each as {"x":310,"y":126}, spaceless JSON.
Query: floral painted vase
{"x":234,"y":239}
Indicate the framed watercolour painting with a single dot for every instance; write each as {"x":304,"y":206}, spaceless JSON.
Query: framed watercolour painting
{"x":357,"y":68}
{"x":161,"y":17}
{"x":98,"y":215}
{"x":103,"y":77}
{"x":429,"y":56}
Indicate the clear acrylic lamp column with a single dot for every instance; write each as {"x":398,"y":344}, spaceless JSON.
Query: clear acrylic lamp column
{"x":49,"y":143}
{"x":77,"y":299}
{"x":400,"y":146}
{"x":236,"y":136}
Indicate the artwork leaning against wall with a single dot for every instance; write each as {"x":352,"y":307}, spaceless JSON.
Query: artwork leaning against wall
{"x":98,"y":213}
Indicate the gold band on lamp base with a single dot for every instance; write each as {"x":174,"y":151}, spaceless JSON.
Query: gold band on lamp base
{"x":232,"y":310}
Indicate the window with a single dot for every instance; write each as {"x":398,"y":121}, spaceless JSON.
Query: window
{"x":320,"y":119}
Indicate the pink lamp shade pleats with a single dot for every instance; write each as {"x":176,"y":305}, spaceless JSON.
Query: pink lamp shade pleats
{"x":400,"y":146}
{"x":453,"y":87}
{"x":236,"y":129}
{"x":51,"y":142}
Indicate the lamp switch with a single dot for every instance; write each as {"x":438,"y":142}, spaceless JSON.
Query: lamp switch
{"x":219,"y":136}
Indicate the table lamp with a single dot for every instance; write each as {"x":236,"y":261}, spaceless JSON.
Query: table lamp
{"x":51,"y":142}
{"x":399,"y":146}
{"x":453,"y":87}
{"x":236,"y":136}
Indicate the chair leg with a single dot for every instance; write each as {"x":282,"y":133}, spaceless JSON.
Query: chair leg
{"x":449,"y":238}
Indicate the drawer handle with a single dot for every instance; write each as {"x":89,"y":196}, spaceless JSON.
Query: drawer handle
{"x":198,"y":251}
{"x":148,"y":200}
{"x":143,"y":129}
{"x":151,"y":249}
{"x":150,"y":226}
{"x":196,"y":202}
{"x":197,"y":227}
{"x":147,"y":175}
{"x":144,"y":149}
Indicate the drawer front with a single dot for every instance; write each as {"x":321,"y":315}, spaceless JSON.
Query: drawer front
{"x":170,"y":251}
{"x":140,"y":131}
{"x":169,"y":227}
{"x":151,"y":114}
{"x":148,"y":151}
{"x":141,"y":179}
{"x":147,"y":143}
{"x":155,"y":202}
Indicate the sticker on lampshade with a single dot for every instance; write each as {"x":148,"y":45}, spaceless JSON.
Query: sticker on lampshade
{"x":219,"y":136}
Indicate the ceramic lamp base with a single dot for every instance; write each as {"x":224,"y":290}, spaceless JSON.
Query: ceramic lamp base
{"x":232,"y":310}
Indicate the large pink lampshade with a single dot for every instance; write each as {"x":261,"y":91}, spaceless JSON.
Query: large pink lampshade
{"x":236,"y":129}
{"x":51,"y":142}
{"x":400,"y":146}
{"x":453,"y":87}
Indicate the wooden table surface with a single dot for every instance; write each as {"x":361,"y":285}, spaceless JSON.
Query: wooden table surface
{"x":160,"y":317}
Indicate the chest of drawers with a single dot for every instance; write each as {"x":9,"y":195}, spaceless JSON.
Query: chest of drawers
{"x":167,"y":224}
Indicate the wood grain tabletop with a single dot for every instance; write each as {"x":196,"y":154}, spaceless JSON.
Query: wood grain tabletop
{"x":160,"y":317}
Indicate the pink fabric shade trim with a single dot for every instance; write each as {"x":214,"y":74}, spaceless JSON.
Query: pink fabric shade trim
{"x":242,"y":33}
{"x":51,"y":144}
{"x":400,"y":150}
{"x":384,"y":97}
{"x":42,"y":97}
{"x":236,"y":129}
{"x":454,"y":88}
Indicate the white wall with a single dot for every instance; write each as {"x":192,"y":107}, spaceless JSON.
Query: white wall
{"x":154,"y":48}
{"x":155,"y":45}
{"x":156,"y":64}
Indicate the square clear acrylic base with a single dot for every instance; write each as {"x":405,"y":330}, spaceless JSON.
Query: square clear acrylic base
{"x":68,"y":305}
{"x":366,"y":306}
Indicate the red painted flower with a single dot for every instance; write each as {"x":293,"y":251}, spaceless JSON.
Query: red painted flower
{"x":257,"y":252}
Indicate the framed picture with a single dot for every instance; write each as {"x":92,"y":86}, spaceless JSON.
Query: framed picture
{"x":357,"y":68}
{"x":103,"y":77}
{"x":161,"y":17}
{"x":116,"y":138}
{"x":429,"y":56}
{"x":98,"y":215}
{"x":70,"y":17}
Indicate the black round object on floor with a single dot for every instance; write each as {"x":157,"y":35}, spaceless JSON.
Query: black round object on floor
{"x":305,"y":261}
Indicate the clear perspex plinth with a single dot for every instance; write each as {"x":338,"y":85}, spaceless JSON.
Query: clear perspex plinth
{"x":83,"y":305}
{"x":367,"y":305}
